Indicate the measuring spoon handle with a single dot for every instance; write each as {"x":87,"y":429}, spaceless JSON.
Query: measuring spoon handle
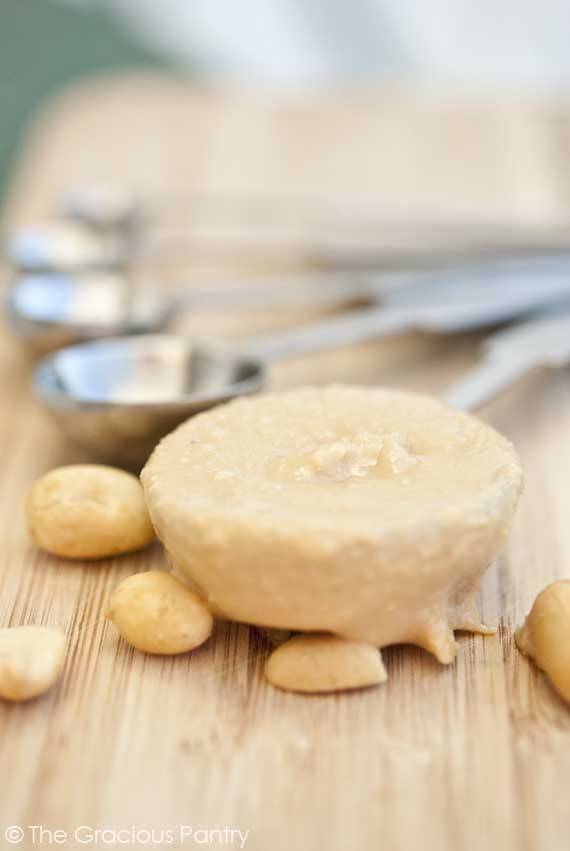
{"x":327,"y":289}
{"x":486,"y":381}
{"x":358,"y":326}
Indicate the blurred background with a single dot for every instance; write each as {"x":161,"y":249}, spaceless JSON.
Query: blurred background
{"x":445,"y":48}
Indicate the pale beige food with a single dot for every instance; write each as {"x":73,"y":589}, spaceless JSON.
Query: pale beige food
{"x":323,"y":663}
{"x":31,"y":659}
{"x":366,"y":513}
{"x":156,"y":613}
{"x":88,"y":511}
{"x":545,"y":635}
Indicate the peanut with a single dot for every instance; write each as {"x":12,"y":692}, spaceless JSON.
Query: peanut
{"x":156,"y":613}
{"x":31,"y":658}
{"x":88,"y":511}
{"x":324,"y":663}
{"x":545,"y":635}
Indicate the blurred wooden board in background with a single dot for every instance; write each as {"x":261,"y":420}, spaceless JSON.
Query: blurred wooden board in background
{"x":470,"y":756}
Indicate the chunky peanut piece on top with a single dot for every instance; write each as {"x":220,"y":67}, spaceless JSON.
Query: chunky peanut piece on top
{"x":88,"y":511}
{"x":545,"y":635}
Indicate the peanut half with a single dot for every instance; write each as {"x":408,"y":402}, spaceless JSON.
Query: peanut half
{"x":156,"y":613}
{"x":324,"y":663}
{"x":88,"y":511}
{"x":545,"y":635}
{"x":31,"y":658}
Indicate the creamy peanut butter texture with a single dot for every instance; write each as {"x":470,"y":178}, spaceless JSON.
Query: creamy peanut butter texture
{"x":367,"y":513}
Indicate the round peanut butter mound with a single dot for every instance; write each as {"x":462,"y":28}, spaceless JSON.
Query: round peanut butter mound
{"x":367,"y":513}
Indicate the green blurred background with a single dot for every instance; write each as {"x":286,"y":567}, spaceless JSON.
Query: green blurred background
{"x":43,"y":46}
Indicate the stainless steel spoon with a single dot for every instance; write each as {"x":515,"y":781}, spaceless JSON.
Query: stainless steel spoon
{"x":51,"y":310}
{"x":332,"y":230}
{"x":118,"y":397}
{"x":107,"y":228}
{"x":61,"y":247}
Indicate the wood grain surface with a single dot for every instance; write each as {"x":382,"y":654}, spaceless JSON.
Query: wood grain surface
{"x":471,"y":756}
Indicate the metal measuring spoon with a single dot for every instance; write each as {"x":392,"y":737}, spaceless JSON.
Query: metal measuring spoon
{"x":118,"y":397}
{"x":542,"y":340}
{"x":105,"y":228}
{"x":335,"y":231}
{"x":63,"y":247}
{"x":102,"y":208}
{"x":52,"y":310}
{"x":49,"y":311}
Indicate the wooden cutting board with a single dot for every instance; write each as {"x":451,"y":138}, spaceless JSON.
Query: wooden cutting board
{"x":471,"y":756}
